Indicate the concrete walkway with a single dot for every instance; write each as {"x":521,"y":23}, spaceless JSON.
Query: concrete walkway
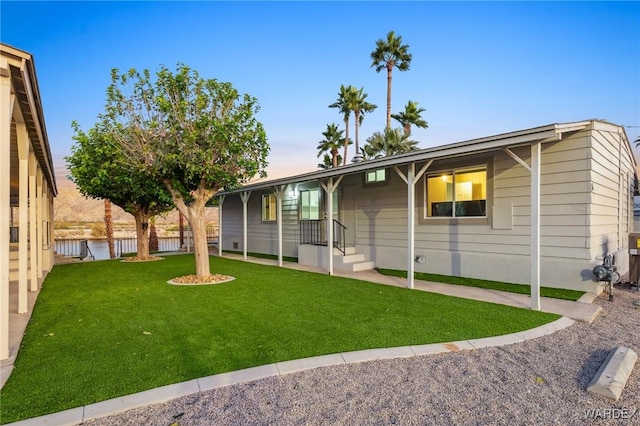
{"x":581,"y":310}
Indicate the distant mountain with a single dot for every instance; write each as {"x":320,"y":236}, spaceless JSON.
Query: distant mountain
{"x":71,"y":206}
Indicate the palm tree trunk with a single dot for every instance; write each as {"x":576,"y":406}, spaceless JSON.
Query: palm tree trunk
{"x":346,"y":141}
{"x":108,"y":225}
{"x":334,"y":155}
{"x":357,"y":124}
{"x":181,"y":228}
{"x":389,"y":71}
{"x":153,"y":236}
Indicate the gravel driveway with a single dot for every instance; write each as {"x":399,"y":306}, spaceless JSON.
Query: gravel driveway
{"x":540,"y":381}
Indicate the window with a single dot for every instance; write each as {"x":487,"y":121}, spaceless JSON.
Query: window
{"x":269,"y":209}
{"x":310,"y":204}
{"x":375,"y":176}
{"x":457,"y":193}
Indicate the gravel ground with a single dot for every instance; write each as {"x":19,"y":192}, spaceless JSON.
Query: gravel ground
{"x":540,"y":381}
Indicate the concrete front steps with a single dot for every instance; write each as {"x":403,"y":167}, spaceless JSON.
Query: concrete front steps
{"x":351,"y":261}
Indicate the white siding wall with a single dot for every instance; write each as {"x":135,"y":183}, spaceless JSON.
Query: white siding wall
{"x":583,"y":215}
{"x":612,"y":200}
{"x":496,"y":247}
{"x":262,"y":236}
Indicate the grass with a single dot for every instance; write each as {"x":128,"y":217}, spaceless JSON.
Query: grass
{"x":264,"y":255}
{"x":556,"y":293}
{"x":105,"y":329}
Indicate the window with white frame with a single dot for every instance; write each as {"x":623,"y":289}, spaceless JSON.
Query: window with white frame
{"x":269,"y":209}
{"x":457,"y":193}
{"x":375,"y":176}
{"x":310,"y":204}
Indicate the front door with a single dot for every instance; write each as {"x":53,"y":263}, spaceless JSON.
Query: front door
{"x":348,"y":213}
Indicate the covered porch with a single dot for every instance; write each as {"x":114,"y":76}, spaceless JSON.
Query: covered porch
{"x":27,"y":191}
{"x":522,"y":148}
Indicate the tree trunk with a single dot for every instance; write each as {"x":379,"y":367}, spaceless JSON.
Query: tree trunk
{"x":356,"y":114}
{"x":201,"y":250}
{"x":346,"y":141}
{"x":194,"y":213}
{"x":334,"y":157}
{"x":153,"y":237}
{"x":108,"y":225}
{"x":181,"y":225}
{"x":389,"y":71}
{"x":142,"y":233}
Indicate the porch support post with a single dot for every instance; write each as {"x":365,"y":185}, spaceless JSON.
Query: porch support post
{"x":410,"y":179}
{"x":329,"y":189}
{"x":6,"y":106}
{"x":535,"y":226}
{"x":38,"y":224}
{"x":534,"y":169}
{"x":279,"y":192}
{"x":220,"y":203}
{"x":33,"y":234}
{"x":23,"y":217}
{"x":245,"y":199}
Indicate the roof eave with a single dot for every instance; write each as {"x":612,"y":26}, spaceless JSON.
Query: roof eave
{"x":547,"y":133}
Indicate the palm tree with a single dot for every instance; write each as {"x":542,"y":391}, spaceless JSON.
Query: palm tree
{"x":327,"y":162}
{"x":331,"y":142}
{"x":390,"y":54}
{"x":343,"y":105}
{"x":359,"y":106}
{"x":389,"y":142}
{"x":411,"y":115}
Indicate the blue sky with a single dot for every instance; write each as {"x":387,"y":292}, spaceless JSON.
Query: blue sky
{"x":478,"y":68}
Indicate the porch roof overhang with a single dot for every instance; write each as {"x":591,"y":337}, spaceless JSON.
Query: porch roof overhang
{"x":27,"y":99}
{"x":548,"y":133}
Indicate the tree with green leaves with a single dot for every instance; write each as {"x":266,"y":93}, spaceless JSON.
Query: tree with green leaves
{"x":359,"y":106}
{"x":390,"y":54}
{"x":388,"y":142}
{"x":343,"y":103}
{"x":331,"y":143}
{"x":196,"y":135}
{"x":412,"y":115}
{"x":100,"y":170}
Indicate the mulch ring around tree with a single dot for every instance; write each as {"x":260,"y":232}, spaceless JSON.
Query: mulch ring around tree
{"x":196,"y":280}
{"x":135,"y":259}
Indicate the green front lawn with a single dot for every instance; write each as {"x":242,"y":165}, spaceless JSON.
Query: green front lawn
{"x":106,"y":329}
{"x":556,"y":293}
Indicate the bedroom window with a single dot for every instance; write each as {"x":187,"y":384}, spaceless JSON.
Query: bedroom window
{"x":269,"y":209}
{"x":310,"y":204}
{"x":457,"y":193}
{"x":375,"y":176}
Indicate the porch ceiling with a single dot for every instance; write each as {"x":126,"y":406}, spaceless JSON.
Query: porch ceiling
{"x":24,"y":86}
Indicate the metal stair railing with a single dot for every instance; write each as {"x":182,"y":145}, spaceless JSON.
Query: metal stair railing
{"x":314,"y":232}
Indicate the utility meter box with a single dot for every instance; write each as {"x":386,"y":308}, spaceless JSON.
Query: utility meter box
{"x":634,"y":257}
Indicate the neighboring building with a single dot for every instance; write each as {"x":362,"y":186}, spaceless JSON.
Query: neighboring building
{"x":27,"y":188}
{"x":470,"y":209}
